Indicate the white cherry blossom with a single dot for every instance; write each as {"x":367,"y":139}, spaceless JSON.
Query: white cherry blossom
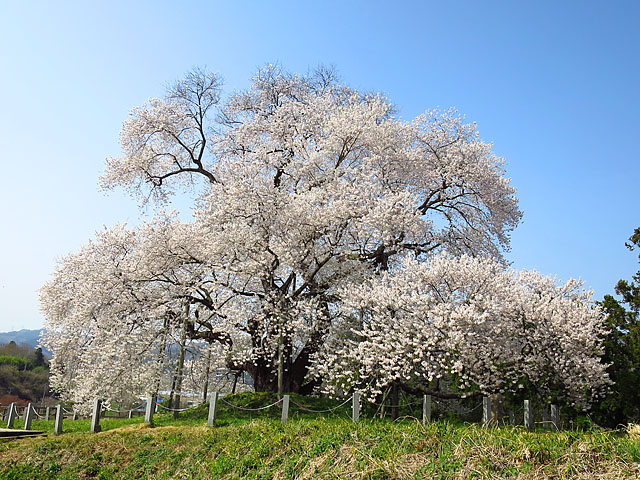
{"x":309,"y":194}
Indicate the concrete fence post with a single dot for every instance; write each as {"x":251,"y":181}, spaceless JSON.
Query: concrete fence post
{"x":528,"y":415}
{"x":213,"y":407}
{"x":355,"y":407}
{"x":28,"y":417}
{"x":75,"y":415}
{"x":47,"y":413}
{"x":285,"y":408}
{"x":486,"y":412}
{"x":151,"y":407}
{"x":554,"y":417}
{"x":11,"y":416}
{"x":95,"y":416}
{"x":130,"y":416}
{"x":426,"y":408}
{"x":57,"y":429}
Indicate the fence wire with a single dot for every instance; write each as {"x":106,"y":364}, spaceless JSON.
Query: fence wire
{"x":442,"y":404}
{"x":135,"y":407}
{"x":395,"y":406}
{"x":177,"y":409}
{"x":250,"y":409}
{"x":320,"y":411}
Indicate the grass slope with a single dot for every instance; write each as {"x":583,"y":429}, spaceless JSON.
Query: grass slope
{"x":256,"y":445}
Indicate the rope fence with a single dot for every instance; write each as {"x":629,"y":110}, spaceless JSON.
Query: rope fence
{"x":490,"y":417}
{"x":237,"y":407}
{"x":400,"y":405}
{"x":177,"y":409}
{"x":329,"y":410}
{"x":134,"y":407}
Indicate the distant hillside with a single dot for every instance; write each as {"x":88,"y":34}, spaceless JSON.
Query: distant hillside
{"x":30,"y":337}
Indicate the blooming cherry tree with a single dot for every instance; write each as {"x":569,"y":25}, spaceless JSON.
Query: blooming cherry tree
{"x":309,"y":193}
{"x":471,"y":320}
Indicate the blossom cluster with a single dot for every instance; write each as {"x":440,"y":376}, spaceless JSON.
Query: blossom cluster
{"x":491,"y":329}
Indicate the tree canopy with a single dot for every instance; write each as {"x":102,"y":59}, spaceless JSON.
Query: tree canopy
{"x":309,"y":194}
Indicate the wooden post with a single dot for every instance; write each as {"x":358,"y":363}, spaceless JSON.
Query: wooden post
{"x":554,"y":416}
{"x":213,"y":407}
{"x":11,"y":416}
{"x":46,"y":413}
{"x":95,"y":416}
{"x":426,"y":408}
{"x":285,"y":408}
{"x":528,"y":415}
{"x":28,"y":417}
{"x":151,"y":405}
{"x":355,"y":407}
{"x":486,"y":412}
{"x":57,"y":429}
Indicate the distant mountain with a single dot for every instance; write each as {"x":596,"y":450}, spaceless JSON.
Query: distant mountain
{"x":30,"y":337}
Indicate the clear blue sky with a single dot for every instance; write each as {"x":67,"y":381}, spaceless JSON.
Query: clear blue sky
{"x":554,"y":85}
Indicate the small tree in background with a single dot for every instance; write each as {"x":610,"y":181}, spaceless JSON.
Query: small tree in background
{"x":622,"y":350}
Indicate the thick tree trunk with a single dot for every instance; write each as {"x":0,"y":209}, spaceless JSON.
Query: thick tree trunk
{"x":264,"y":382}
{"x":282,"y":373}
{"x":265,"y":379}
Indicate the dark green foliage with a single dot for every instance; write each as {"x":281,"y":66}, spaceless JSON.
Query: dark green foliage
{"x":24,"y":372}
{"x":622,"y":350}
{"x":37,"y":358}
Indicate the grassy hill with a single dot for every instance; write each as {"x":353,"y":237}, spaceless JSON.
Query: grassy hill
{"x":256,"y":445}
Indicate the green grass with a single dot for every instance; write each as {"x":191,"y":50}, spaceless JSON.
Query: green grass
{"x":257,"y":446}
